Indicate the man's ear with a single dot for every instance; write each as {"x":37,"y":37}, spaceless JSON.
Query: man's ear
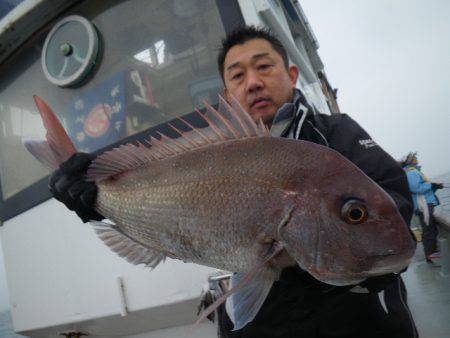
{"x":293,"y":74}
{"x":226,"y":94}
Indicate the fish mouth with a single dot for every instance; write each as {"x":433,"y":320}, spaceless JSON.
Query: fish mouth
{"x":375,"y":265}
{"x":387,"y":263}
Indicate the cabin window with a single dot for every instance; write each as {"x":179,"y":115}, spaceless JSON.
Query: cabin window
{"x":157,"y":61}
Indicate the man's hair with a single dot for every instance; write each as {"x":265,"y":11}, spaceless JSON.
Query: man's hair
{"x":241,"y":35}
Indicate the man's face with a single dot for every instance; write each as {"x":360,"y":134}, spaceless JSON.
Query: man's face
{"x":254,"y":73}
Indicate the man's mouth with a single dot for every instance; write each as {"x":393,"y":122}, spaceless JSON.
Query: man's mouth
{"x":260,"y":102}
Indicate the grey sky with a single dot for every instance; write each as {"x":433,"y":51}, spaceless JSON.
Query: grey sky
{"x":390,"y":60}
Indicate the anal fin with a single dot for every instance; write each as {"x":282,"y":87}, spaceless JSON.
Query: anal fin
{"x":126,"y":247}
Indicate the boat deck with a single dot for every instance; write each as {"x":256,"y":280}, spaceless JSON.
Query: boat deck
{"x":428,"y":297}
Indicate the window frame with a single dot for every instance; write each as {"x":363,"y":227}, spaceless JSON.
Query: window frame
{"x":37,"y":193}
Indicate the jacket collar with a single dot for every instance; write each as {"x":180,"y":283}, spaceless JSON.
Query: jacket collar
{"x":288,"y":114}
{"x":409,"y":167}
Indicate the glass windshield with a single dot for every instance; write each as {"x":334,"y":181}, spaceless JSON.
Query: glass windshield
{"x":157,"y":61}
{"x":7,"y":6}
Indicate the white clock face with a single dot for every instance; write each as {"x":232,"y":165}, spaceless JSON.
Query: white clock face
{"x":70,"y":51}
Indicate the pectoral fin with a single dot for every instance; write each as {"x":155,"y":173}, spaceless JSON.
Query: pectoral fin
{"x":243,"y":305}
{"x":253,"y":288}
{"x":126,"y":247}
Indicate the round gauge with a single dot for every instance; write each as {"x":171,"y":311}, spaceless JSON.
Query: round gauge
{"x":70,"y":51}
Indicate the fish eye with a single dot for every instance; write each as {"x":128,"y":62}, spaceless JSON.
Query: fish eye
{"x":354,"y":212}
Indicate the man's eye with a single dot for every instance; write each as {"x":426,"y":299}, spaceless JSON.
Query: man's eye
{"x":264,"y":67}
{"x":236,"y":76}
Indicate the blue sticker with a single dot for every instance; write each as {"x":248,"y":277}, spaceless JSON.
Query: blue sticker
{"x":97,"y":117}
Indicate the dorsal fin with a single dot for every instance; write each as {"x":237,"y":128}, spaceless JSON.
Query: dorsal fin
{"x":227,"y":123}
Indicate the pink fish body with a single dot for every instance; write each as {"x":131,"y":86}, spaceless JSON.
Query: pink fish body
{"x":225,"y":196}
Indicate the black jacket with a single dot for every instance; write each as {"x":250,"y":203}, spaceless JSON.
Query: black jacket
{"x":300,"y":306}
{"x":344,"y":135}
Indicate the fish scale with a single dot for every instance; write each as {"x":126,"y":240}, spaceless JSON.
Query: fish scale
{"x":206,"y":205}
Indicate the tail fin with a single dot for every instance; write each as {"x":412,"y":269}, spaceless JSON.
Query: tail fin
{"x":58,"y":147}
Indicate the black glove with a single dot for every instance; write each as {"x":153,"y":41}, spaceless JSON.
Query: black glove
{"x":437,"y":186}
{"x":379,"y":283}
{"x":68,"y":185}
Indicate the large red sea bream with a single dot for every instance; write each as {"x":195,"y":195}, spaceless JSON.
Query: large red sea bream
{"x":231,"y":197}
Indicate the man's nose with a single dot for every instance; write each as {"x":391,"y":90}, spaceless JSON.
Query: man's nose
{"x":254,"y":82}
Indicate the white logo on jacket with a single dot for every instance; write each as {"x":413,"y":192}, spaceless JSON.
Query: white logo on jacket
{"x":368,"y":143}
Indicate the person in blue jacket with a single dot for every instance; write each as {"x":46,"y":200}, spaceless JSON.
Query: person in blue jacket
{"x":424,"y":198}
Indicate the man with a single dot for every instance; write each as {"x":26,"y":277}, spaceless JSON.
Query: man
{"x":255,"y":69}
{"x":424,"y":197}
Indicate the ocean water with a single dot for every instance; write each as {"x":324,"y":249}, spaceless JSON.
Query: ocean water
{"x":443,"y":195}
